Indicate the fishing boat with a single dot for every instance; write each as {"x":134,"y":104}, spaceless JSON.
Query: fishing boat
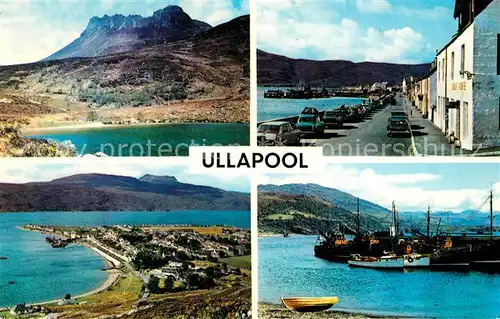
{"x":11,"y":282}
{"x":309,"y":304}
{"x":384,"y":262}
{"x":3,"y":258}
{"x":416,"y":261}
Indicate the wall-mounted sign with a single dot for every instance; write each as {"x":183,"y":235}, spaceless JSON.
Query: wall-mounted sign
{"x":459,"y":86}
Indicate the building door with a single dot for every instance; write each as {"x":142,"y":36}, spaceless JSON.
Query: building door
{"x":446,"y":117}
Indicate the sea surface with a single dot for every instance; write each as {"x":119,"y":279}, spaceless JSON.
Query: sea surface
{"x":288,"y":268}
{"x":42,"y":273}
{"x":268,"y":109}
{"x":151,"y":140}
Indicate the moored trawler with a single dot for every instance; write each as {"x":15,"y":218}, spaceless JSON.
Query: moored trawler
{"x":309,"y":304}
{"x":475,"y":252}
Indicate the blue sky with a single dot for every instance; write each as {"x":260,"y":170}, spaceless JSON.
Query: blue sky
{"x":446,"y":186}
{"x":399,"y":31}
{"x":32,"y":30}
{"x":41,"y":169}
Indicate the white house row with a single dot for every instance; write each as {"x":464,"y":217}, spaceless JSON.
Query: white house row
{"x":461,"y":93}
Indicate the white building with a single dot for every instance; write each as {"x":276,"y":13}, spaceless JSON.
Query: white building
{"x":468,"y":77}
{"x":403,"y":87}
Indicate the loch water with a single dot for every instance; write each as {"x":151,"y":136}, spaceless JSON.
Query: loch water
{"x":288,"y":268}
{"x":269,"y":109}
{"x":42,"y":273}
{"x":150,"y":140}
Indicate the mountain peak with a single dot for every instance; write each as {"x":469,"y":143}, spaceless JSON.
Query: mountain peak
{"x":118,"y":33}
{"x":158,"y":179}
{"x":171,"y":9}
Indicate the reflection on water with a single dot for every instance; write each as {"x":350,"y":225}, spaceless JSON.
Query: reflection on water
{"x":287,"y":267}
{"x":151,"y":140}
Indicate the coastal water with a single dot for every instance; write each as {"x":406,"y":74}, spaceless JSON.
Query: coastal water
{"x":151,"y":140}
{"x":268,"y":109}
{"x":288,"y":268}
{"x":42,"y":273}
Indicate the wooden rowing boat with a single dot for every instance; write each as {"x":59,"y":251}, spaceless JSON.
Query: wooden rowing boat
{"x":309,"y":304}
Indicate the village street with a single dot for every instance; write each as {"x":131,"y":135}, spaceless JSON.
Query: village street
{"x":369,"y":136}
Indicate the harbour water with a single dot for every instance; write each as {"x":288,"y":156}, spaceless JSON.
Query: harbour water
{"x":150,"y":140}
{"x":42,"y":273}
{"x":269,"y":109}
{"x":288,"y":268}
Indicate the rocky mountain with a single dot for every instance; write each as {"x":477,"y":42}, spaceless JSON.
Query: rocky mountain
{"x":100,"y":192}
{"x":210,"y":69}
{"x":275,"y":69}
{"x":119,"y":33}
{"x":281,"y":212}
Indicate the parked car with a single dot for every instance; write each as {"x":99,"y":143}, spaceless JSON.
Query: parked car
{"x":398,"y":125}
{"x":310,"y":110}
{"x":277,"y":133}
{"x":334,"y":118}
{"x":310,"y":123}
{"x":399,"y":114}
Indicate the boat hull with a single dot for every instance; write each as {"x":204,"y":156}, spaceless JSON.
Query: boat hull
{"x":395,"y":263}
{"x":417,"y":261}
{"x":304,"y":304}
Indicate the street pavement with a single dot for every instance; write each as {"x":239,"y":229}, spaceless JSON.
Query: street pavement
{"x":429,"y":140}
{"x":366,"y":138}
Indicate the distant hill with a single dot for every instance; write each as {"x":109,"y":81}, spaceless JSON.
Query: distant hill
{"x":334,"y":196}
{"x":275,"y":69}
{"x":100,"y":192}
{"x":466,"y":218}
{"x":281,"y":212}
{"x":118,"y":33}
{"x":313,"y":194}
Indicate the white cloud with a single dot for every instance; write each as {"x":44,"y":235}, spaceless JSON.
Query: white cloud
{"x":314,"y":30}
{"x":407,"y":190}
{"x":373,"y":6}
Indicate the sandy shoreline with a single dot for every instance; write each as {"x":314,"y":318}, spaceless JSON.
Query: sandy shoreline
{"x":113,"y":275}
{"x":99,"y":125}
{"x":274,"y":311}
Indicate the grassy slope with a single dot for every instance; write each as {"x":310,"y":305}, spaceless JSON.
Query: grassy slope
{"x":116,"y":300}
{"x":305,"y":214}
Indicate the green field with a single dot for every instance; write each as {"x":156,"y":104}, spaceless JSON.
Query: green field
{"x":244,"y":262}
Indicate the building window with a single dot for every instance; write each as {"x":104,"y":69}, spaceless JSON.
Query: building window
{"x":466,"y":119}
{"x":462,"y":61}
{"x":439,"y":71}
{"x":443,"y":68}
{"x":452,"y":66}
{"x":498,"y":54}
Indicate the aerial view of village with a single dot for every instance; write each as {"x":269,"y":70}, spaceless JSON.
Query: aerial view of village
{"x":415,"y":78}
{"x":384,"y":240}
{"x":134,"y":243}
{"x":122,"y":78}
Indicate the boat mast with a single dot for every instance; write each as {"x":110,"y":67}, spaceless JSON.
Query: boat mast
{"x":491,"y":215}
{"x":429,"y":221}
{"x":358,"y":221}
